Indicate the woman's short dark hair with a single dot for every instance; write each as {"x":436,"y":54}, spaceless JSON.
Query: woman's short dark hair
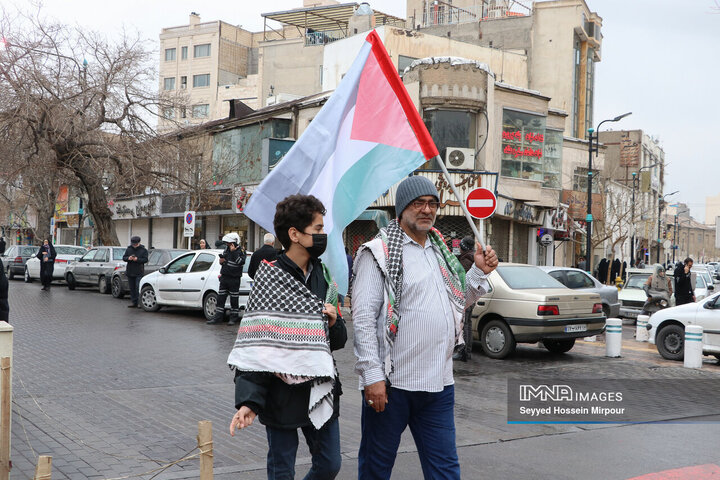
{"x":295,"y":211}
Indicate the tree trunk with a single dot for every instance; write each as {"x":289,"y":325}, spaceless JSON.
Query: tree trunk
{"x":97,"y":203}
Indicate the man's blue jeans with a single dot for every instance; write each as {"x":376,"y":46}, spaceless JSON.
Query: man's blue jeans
{"x":432,"y":423}
{"x":324,"y":445}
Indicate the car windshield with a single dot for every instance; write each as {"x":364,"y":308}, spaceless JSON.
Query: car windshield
{"x":176,"y":253}
{"x":118,"y":253}
{"x":637,"y":281}
{"x":247,"y":262}
{"x":705,"y":276}
{"x":70,"y":250}
{"x":524,"y":277}
{"x":27,"y":251}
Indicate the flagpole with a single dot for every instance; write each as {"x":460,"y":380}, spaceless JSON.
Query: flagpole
{"x":461,"y":201}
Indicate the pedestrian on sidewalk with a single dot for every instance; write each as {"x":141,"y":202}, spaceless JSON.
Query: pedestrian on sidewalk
{"x":409,"y":297}
{"x":4,"y":306}
{"x":267,"y":252}
{"x":203,"y":244}
{"x":467,"y":260}
{"x":232,"y":261}
{"x":136,"y":256}
{"x":285,"y":371}
{"x":46,"y":255}
{"x":2,"y":245}
{"x":684,"y":290}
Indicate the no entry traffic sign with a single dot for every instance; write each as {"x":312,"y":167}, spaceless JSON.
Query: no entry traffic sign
{"x":481,"y":203}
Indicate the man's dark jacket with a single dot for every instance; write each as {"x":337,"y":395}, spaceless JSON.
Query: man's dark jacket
{"x":467,"y":258}
{"x":4,"y":306}
{"x":135,"y":268}
{"x":266,"y":252}
{"x":233,"y":264}
{"x":2,"y":246}
{"x":683,"y":283}
{"x":278,"y":404}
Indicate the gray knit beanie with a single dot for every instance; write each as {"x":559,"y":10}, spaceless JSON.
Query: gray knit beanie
{"x":412,"y":188}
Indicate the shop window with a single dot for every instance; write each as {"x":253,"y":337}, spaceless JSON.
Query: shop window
{"x":523,"y":141}
{"x":552,"y":159}
{"x":449,"y":128}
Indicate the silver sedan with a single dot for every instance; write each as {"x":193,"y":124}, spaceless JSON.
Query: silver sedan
{"x":580,"y":280}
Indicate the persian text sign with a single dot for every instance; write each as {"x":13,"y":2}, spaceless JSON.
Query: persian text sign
{"x":577,"y":204}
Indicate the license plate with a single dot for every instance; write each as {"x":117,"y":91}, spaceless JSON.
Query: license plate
{"x":575,"y":328}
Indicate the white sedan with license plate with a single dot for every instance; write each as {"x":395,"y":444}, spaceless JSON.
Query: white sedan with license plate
{"x":65,"y":254}
{"x":667,"y":327}
{"x":190,"y":281}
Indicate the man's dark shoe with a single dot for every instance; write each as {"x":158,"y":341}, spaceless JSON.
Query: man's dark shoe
{"x":218,"y":318}
{"x":133,"y":305}
{"x":233,"y":319}
{"x":460,"y":356}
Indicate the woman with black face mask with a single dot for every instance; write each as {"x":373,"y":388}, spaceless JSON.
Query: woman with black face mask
{"x":285,"y":371}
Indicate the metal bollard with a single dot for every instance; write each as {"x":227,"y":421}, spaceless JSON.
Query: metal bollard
{"x":693,"y":346}
{"x":613,"y":337}
{"x":641,"y":331}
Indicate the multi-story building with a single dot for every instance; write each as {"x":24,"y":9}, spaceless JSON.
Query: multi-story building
{"x":712,"y":209}
{"x":202,"y":66}
{"x":635,"y":159}
{"x":516,"y":131}
{"x":561,"y":40}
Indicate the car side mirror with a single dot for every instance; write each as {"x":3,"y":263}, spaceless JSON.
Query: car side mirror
{"x":709,"y":305}
{"x":80,"y":259}
{"x":162,"y":270}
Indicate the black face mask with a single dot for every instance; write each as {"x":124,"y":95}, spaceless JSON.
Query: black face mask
{"x":318,"y":245}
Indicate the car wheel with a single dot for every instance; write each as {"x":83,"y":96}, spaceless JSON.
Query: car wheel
{"x":559,"y":346}
{"x":103,"y":286}
{"x":671,"y":342}
{"x":70,"y":279}
{"x":28,"y":278}
{"x":497,"y":339}
{"x":116,"y":288}
{"x":10,"y":273}
{"x":148,"y":300}
{"x":210,"y":305}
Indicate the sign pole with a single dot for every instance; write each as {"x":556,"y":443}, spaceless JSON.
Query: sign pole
{"x":461,"y":201}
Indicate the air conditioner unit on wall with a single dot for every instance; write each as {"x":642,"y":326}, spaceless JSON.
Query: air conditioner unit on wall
{"x":460,"y":158}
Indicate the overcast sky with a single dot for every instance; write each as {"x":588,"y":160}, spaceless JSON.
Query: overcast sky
{"x":660,"y":60}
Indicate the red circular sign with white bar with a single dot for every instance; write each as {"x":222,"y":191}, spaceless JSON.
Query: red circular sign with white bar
{"x":481,"y":203}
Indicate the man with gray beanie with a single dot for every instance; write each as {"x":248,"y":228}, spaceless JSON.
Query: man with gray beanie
{"x":136,"y":256}
{"x":409,"y":298}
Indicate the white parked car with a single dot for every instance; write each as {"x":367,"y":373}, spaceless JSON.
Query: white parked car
{"x":667,"y":327}
{"x":65,"y":254}
{"x":190,"y":281}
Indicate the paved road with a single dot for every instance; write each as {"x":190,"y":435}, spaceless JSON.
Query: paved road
{"x":110,"y":391}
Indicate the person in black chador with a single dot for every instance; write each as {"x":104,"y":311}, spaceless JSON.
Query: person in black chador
{"x":136,"y":256}
{"x":232,"y":260}
{"x":602,"y":270}
{"x":615,"y":270}
{"x":46,"y":255}
{"x":4,"y":306}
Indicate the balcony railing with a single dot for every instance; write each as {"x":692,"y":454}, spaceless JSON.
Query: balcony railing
{"x":323,"y":37}
{"x":446,"y":14}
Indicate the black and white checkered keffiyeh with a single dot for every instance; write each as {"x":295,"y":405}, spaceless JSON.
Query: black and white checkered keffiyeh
{"x":284,"y":332}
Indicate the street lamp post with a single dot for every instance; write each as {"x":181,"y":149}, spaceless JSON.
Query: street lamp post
{"x":661,"y":202}
{"x":589,"y":217}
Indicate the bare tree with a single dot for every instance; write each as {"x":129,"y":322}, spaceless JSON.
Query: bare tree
{"x":85,"y":103}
